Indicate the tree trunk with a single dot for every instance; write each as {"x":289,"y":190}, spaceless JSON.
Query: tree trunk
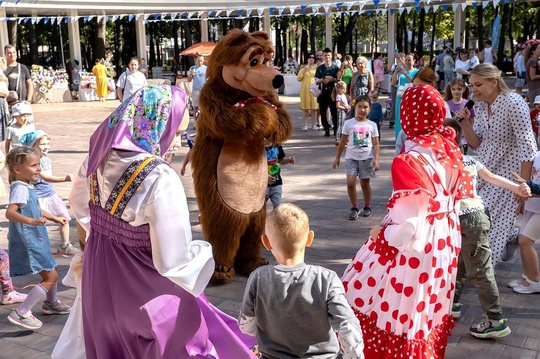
{"x":405,"y":33}
{"x":175,"y":37}
{"x":421,"y":27}
{"x":279,"y":47}
{"x":480,"y":21}
{"x":414,"y":47}
{"x":312,"y":32}
{"x":510,"y":23}
{"x":537,"y":20}
{"x":119,"y":46}
{"x":32,"y":42}
{"x":99,"y":47}
{"x":345,"y":36}
{"x":502,"y":33}
{"x":12,"y":32}
{"x":302,"y":57}
{"x":467,"y":27}
{"x":152,"y":59}
{"x":433,"y":28}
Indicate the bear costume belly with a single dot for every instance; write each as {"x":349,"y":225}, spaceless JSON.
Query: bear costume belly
{"x":242,"y":177}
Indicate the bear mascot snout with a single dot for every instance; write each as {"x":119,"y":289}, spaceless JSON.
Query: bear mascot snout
{"x":239,"y":111}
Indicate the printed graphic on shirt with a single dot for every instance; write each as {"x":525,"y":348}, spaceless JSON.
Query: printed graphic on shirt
{"x":274,"y":168}
{"x":361,"y":136}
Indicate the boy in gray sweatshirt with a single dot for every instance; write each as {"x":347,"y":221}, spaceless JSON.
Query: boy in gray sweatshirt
{"x":293,"y":308}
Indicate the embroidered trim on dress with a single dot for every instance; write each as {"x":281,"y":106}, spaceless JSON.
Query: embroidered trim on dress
{"x":94,"y":190}
{"x":128,"y":183}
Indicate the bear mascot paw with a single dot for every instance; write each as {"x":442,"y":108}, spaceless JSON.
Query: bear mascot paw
{"x":239,"y":111}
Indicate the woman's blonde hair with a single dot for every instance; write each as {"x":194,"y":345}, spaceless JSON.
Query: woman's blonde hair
{"x":490,"y":72}
{"x":17,"y":157}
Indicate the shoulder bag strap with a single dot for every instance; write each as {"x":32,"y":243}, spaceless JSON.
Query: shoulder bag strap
{"x":18,"y":87}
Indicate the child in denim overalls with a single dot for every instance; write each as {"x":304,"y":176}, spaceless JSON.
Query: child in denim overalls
{"x":29,"y":246}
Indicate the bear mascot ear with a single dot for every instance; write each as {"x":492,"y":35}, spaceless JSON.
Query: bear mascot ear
{"x":241,"y":36}
{"x":260,"y":34}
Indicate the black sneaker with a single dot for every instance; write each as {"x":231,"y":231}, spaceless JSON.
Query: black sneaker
{"x":354,"y":213}
{"x":366,"y":212}
{"x":327,"y":133}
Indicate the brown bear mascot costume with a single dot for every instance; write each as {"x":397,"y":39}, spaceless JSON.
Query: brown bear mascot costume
{"x":239,"y":109}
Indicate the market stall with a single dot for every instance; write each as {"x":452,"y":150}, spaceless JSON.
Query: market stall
{"x":87,"y":88}
{"x":50,"y":86}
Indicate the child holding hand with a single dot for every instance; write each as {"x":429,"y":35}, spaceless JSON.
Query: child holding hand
{"x":48,"y":200}
{"x":294,"y":308}
{"x":29,"y":246}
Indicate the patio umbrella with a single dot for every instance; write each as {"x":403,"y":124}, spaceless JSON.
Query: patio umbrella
{"x":527,"y":43}
{"x":202,"y":48}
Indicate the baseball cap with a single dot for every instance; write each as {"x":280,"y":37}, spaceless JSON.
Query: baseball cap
{"x":29,"y":139}
{"x":537,"y":100}
{"x":21,"y":108}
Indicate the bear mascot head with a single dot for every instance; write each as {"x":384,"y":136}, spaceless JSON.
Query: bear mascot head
{"x":239,"y":112}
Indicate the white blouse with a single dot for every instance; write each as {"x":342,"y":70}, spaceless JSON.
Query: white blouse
{"x":160,"y":201}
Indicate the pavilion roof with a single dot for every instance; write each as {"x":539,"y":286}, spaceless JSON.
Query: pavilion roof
{"x":193,"y":10}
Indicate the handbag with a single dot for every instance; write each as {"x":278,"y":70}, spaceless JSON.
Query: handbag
{"x":13,"y":96}
{"x":401,"y":89}
{"x":314,"y":90}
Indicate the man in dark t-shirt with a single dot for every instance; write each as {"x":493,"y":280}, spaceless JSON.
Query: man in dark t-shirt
{"x":326,"y":77}
{"x":20,"y":82}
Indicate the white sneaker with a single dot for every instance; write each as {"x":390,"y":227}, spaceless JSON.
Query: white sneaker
{"x":304,"y":128}
{"x":69,"y":249}
{"x":518,"y":281}
{"x":315,"y":128}
{"x":533,"y":287}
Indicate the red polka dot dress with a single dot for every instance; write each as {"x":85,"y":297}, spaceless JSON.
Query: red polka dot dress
{"x":401,"y":284}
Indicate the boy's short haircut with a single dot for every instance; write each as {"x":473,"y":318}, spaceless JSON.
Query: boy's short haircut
{"x":362,"y":98}
{"x":289,"y":227}
{"x":374,"y":93}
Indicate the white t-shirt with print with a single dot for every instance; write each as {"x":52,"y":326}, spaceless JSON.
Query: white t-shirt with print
{"x":360,"y":141}
{"x":471,"y":204}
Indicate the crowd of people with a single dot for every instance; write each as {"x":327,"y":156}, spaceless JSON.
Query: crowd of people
{"x":450,"y":218}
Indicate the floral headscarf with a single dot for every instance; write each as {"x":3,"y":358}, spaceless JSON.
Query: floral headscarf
{"x":145,"y":122}
{"x":422,"y":114}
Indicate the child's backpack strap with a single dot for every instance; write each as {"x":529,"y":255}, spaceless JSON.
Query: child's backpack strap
{"x":128,"y":183}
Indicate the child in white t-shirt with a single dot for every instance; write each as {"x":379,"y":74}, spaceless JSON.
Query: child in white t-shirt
{"x":22,"y":112}
{"x":362,"y":156}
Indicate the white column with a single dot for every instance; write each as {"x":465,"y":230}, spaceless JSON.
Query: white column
{"x":74,"y":39}
{"x":4,"y":38}
{"x":140,"y":33}
{"x":328,"y":29}
{"x":459,"y":26}
{"x":266,"y":20}
{"x":204,"y":26}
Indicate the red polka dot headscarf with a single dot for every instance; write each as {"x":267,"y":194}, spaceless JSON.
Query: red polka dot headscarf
{"x":422,"y":115}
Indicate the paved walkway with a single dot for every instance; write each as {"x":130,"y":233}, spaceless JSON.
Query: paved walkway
{"x":311,"y":184}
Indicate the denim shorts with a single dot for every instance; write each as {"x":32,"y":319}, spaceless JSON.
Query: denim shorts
{"x":363,"y":169}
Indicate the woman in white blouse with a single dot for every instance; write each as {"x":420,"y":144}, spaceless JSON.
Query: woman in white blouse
{"x":503,"y":138}
{"x":143,"y":275}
